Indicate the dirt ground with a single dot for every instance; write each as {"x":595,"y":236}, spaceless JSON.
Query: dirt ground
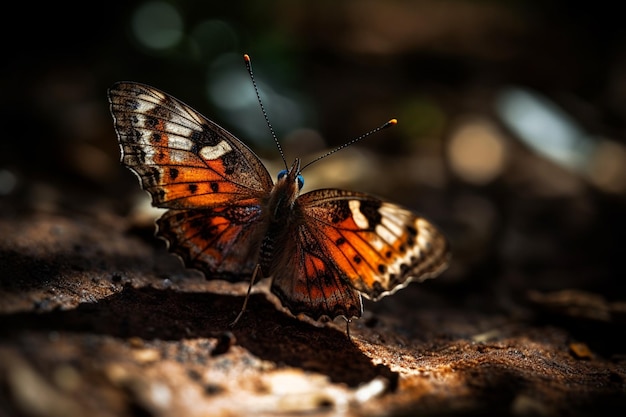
{"x":97,"y":319}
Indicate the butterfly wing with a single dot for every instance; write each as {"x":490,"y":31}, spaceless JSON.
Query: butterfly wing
{"x":353,"y":243}
{"x":307,"y":281}
{"x":213,"y":184}
{"x":222,"y":242}
{"x":183,"y":159}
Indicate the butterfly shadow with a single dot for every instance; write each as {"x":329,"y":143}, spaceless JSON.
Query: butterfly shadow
{"x":165,"y":314}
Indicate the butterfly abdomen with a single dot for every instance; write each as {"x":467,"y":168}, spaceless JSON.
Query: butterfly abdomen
{"x":274,"y":243}
{"x":266,"y":254}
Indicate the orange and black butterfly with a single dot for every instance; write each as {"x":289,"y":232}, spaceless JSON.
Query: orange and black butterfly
{"x":322,"y":250}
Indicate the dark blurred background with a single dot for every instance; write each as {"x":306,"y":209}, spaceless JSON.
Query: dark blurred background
{"x":511,"y":115}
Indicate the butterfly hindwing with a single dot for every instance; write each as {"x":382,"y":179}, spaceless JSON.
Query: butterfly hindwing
{"x":223,"y":242}
{"x":307,"y":281}
{"x":183,"y":159}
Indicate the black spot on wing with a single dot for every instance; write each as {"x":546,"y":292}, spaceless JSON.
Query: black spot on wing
{"x":327,"y":277}
{"x":132,"y":104}
{"x":210,"y":137}
{"x":370,"y":210}
{"x":208,"y":232}
{"x":151,"y":121}
{"x":129,"y":134}
{"x":204,"y":137}
{"x":377,"y":289}
{"x":150,"y":175}
{"x":196,"y":222}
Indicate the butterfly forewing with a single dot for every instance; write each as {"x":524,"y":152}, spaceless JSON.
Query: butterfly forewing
{"x":183,"y":159}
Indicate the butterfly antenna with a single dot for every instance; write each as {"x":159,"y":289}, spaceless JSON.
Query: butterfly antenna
{"x":248,"y":62}
{"x":390,"y":123}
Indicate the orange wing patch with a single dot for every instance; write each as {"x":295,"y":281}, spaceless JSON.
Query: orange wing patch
{"x":182,"y":159}
{"x":378,"y":246}
{"x":315,"y":287}
{"x":223,"y":243}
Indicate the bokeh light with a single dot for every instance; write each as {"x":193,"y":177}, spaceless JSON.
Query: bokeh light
{"x":554,"y":134}
{"x":157,"y":25}
{"x":545,"y":127}
{"x":477,"y":151}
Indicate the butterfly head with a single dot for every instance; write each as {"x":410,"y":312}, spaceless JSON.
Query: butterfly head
{"x":285,"y":174}
{"x":292,"y":177}
{"x":286,"y":190}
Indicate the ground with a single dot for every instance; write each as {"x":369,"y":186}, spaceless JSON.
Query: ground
{"x":96,"y":318}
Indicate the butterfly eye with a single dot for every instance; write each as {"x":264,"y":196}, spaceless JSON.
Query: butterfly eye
{"x":299,"y":178}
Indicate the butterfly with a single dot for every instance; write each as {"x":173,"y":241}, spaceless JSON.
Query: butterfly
{"x":226,"y":217}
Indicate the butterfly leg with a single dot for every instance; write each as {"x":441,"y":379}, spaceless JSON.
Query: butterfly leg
{"x":348,"y":321}
{"x":245,"y":302}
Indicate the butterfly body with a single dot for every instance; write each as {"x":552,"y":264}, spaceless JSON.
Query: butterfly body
{"x":322,"y":250}
{"x":282,"y":212}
